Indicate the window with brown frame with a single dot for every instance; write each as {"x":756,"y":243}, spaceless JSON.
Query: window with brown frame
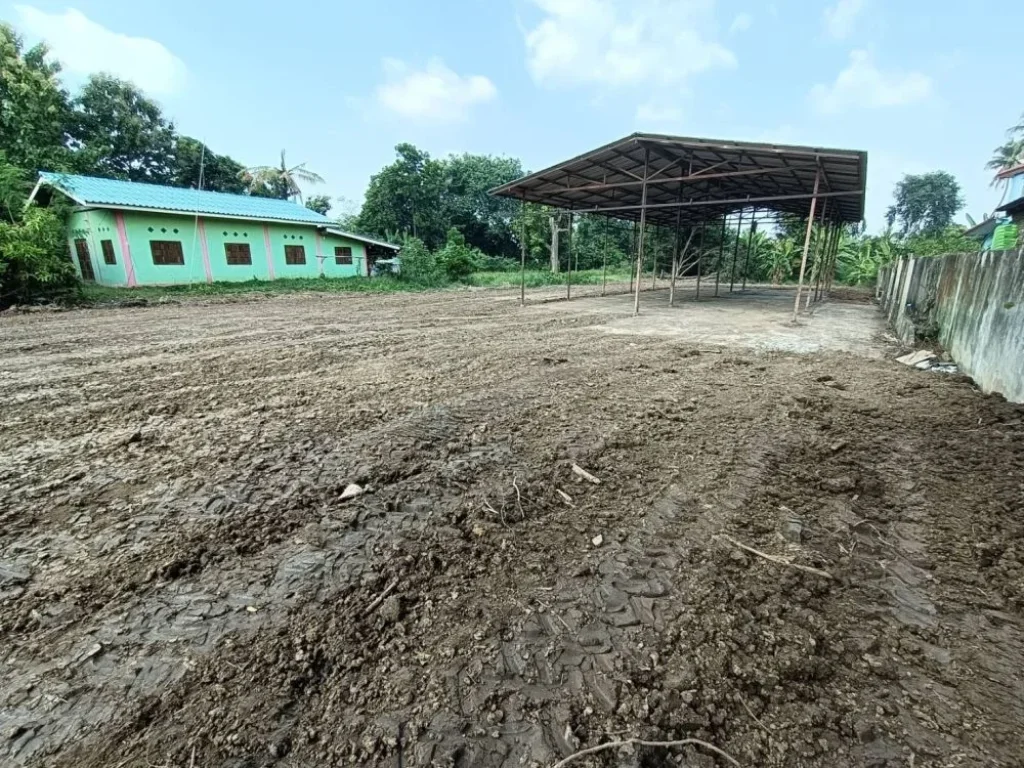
{"x":238,"y":254}
{"x":295,"y":254}
{"x":107,"y":246}
{"x":342,"y":255}
{"x":167,"y":252}
{"x":84,"y":262}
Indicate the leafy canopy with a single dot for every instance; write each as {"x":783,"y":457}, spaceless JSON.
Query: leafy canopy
{"x":925,"y":203}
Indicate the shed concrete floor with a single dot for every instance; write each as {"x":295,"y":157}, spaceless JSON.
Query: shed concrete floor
{"x":760,"y":318}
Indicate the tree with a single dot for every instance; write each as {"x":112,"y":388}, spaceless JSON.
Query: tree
{"x":34,"y":108}
{"x":925,"y":203}
{"x":196,"y":166}
{"x":120,"y":133}
{"x":1007,"y":155}
{"x":319,"y":203}
{"x":407,"y":197}
{"x":279,"y":181}
{"x":486,"y":221}
{"x":34,"y":261}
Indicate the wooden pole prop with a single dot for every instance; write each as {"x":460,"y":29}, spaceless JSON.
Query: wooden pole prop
{"x":522,"y":257}
{"x":675,"y":258}
{"x":721,"y":251}
{"x":568,"y":262}
{"x":736,"y":251}
{"x":700,"y":258}
{"x":643,"y":226}
{"x":807,"y":245}
{"x":750,"y":247}
{"x":818,"y":253}
{"x":632,"y":264}
{"x":604,"y":266}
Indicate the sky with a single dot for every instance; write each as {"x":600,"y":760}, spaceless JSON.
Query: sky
{"x":920,"y":85}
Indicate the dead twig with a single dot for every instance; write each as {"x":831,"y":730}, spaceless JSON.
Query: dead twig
{"x":493,"y":511}
{"x":644,"y":743}
{"x":519,"y":497}
{"x":565,"y":497}
{"x":752,"y":715}
{"x":380,"y":598}
{"x":192,"y":761}
{"x":777,"y":559}
{"x":577,"y":469}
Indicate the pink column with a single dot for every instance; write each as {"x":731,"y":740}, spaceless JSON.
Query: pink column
{"x":320,"y":253}
{"x":126,"y":251}
{"x":270,"y":255}
{"x":206,"y":249}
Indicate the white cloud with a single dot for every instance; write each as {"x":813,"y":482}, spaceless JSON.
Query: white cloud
{"x":741,"y":23}
{"x":621,"y":43}
{"x":434,"y":94}
{"x":84,"y":47}
{"x":840,"y":18}
{"x":863,"y":85}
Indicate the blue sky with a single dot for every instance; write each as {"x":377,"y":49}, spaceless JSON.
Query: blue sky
{"x":920,"y":85}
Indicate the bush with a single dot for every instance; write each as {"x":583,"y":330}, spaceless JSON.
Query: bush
{"x":457,"y":259}
{"x":418,"y":264}
{"x":34,"y":261}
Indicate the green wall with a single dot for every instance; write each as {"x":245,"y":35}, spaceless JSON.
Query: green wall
{"x":95,"y":226}
{"x":142,"y":228}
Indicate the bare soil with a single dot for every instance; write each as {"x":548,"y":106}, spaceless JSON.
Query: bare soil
{"x":182,"y":583}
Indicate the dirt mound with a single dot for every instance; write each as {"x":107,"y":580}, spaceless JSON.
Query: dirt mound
{"x":182,"y":583}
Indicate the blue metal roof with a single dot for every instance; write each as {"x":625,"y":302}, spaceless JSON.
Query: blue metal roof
{"x":112,"y":193}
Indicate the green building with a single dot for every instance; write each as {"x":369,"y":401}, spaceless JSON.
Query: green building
{"x":127,"y":233}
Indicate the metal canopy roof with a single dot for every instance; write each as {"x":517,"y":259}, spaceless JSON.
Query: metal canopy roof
{"x":701,"y":179}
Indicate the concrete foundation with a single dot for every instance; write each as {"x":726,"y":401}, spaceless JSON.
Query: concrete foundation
{"x":971,"y":304}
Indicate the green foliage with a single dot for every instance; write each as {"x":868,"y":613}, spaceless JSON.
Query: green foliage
{"x":14,"y":188}
{"x":485,"y":221}
{"x":195,"y":162}
{"x":949,"y":240}
{"x":34,"y":262}
{"x":783,"y":256}
{"x":926,"y":203}
{"x":34,"y":111}
{"x":424,"y":197}
{"x":458,"y":260}
{"x":319,"y":203}
{"x":406,"y":197}
{"x":419,"y":265}
{"x":120,"y":133}
{"x":536,"y":278}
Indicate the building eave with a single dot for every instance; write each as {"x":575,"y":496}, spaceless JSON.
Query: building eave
{"x":362,"y":239}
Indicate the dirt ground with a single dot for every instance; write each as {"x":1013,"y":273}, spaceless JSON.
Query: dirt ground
{"x":182,"y":583}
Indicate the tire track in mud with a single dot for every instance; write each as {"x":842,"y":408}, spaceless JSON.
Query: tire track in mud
{"x":136,"y":647}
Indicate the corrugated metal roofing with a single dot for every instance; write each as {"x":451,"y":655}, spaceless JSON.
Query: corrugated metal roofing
{"x":112,"y":193}
{"x":697,"y":179}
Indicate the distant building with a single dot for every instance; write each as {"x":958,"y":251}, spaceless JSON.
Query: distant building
{"x":125,"y":233}
{"x":1002,"y":232}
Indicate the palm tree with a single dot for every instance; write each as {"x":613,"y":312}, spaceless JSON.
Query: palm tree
{"x":1006,"y":156}
{"x":279,"y":181}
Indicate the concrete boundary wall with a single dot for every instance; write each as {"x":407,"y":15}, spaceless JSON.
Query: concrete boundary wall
{"x":972,"y":304}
